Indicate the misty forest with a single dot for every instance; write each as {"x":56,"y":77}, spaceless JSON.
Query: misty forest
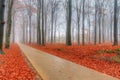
{"x":38,"y":36}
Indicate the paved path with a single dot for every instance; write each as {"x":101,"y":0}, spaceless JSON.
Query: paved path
{"x":53,"y":68}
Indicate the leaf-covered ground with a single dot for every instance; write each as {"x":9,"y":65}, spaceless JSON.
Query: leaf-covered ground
{"x":13,"y":65}
{"x":99,"y":57}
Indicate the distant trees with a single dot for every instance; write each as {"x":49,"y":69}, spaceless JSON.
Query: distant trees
{"x":92,"y":31}
{"x":78,"y":17}
{"x":89,"y":21}
{"x":54,"y":11}
{"x":82,"y":21}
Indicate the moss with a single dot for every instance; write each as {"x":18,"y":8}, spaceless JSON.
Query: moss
{"x":101,"y":51}
{"x":116,"y":59}
{"x":118,"y":49}
{"x":107,"y":51}
{"x":1,"y":52}
{"x":105,"y":59}
{"x":110,"y":51}
{"x":118,"y":52}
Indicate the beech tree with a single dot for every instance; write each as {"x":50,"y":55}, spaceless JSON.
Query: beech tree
{"x":83,"y":24}
{"x":68,"y":18}
{"x":30,"y":13}
{"x":78,"y":14}
{"x":115,"y":24}
{"x":43,"y":30}
{"x":9,"y":22}
{"x":54,"y":8}
{"x":39,"y":22}
{"x":1,"y":23}
{"x":95,"y":22}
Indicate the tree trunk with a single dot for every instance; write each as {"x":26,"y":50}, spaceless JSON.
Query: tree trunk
{"x":55,"y":28}
{"x":13,"y":28}
{"x":99,"y":28}
{"x":1,"y":22}
{"x":83,"y":25}
{"x":103,"y":28}
{"x":38,"y":23}
{"x":89,"y":24}
{"x":78,"y":13}
{"x":111,"y":33}
{"x":43,"y":42}
{"x":115,"y":24}
{"x":68,"y":30}
{"x":52,"y":14}
{"x":95,"y":38}
{"x":9,"y":22}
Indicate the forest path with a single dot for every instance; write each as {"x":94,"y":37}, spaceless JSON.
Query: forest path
{"x":54,"y":68}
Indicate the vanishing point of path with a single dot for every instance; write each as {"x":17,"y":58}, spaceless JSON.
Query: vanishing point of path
{"x":54,"y":68}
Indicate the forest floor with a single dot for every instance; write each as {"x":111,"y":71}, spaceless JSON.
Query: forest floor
{"x":104,"y":58}
{"x":14,"y":66}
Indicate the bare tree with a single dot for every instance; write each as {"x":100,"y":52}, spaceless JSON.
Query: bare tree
{"x":68,"y":17}
{"x":115,"y":24}
{"x":83,"y":25}
{"x":54,"y":9}
{"x":43,"y":38}
{"x":38,"y":22}
{"x":99,"y":19}
{"x":9,"y":22}
{"x":78,"y":12}
{"x":1,"y":22}
{"x":95,"y":22}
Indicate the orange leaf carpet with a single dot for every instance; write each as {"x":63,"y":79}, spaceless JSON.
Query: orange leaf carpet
{"x":13,"y":65}
{"x":86,"y":55}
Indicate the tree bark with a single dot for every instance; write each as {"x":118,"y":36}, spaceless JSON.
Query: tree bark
{"x":1,"y":22}
{"x":9,"y":22}
{"x":83,"y":25}
{"x":115,"y":24}
{"x":68,"y":31}
{"x":95,"y":38}
{"x":43,"y":42}
{"x":38,"y":23}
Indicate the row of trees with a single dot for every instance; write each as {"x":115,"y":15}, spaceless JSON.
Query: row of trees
{"x":85,"y":20}
{"x":8,"y":12}
{"x":98,"y":14}
{"x":52,"y":21}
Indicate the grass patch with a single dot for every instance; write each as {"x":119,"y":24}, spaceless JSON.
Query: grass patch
{"x":116,"y":59}
{"x":1,"y":52}
{"x":105,"y":51}
{"x":101,"y":51}
{"x":118,"y":49}
{"x":105,"y":59}
{"x":110,"y":51}
{"x":118,"y":52}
